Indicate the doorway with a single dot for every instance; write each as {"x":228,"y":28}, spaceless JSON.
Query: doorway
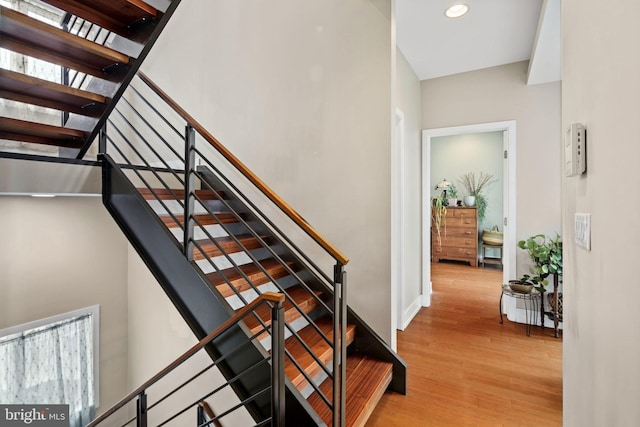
{"x":508,"y":130}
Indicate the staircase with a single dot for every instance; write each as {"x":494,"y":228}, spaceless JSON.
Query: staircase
{"x":101,"y":44}
{"x":214,"y":243}
{"x":307,"y":312}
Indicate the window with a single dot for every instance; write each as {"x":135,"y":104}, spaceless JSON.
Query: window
{"x":53,"y":361}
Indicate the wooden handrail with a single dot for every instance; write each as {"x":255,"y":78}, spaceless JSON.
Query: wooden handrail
{"x":266,"y":190}
{"x":267,"y":296}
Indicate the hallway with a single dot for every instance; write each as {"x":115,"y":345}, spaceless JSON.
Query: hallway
{"x":465,"y":368}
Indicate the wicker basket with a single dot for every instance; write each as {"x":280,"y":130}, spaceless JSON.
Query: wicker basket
{"x":492,"y":237}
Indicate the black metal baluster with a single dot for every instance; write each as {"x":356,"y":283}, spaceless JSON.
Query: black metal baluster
{"x":189,"y":183}
{"x":339,"y":352}
{"x":102,"y":139}
{"x":201,"y":418}
{"x":141,"y":410}
{"x":343,"y":348}
{"x":277,"y":365}
{"x":65,"y":70}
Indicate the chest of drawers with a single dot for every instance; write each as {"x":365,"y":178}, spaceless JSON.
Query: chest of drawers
{"x":459,"y":236}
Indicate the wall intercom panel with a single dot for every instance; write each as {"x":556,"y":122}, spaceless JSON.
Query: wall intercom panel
{"x":575,"y":148}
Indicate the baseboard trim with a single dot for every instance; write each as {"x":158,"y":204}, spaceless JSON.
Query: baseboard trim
{"x":410,"y":312}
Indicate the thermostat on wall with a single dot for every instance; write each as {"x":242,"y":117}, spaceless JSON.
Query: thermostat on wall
{"x":575,"y":140}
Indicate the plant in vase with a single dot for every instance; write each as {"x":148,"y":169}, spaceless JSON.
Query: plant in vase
{"x":524,"y":285}
{"x":452,"y":195}
{"x":474,"y":189}
{"x":546,"y":254}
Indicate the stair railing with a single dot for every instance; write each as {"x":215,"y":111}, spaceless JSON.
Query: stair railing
{"x":145,"y":141}
{"x":150,"y":396}
{"x":88,"y":31}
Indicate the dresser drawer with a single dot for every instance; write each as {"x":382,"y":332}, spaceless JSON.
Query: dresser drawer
{"x":461,"y":212}
{"x":448,"y":252}
{"x":468,"y":232}
{"x":462,"y":242}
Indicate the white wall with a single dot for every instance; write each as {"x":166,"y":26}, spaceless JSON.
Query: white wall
{"x":408,"y":101}
{"x":19,"y":177}
{"x":601,"y":89}
{"x":499,"y":94}
{"x":63,"y":254}
{"x":301,"y":93}
{"x":455,"y":155}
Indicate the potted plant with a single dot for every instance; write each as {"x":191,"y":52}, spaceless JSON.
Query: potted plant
{"x":546,"y":254}
{"x":474,"y":189}
{"x":524,"y":285}
{"x":452,"y":195}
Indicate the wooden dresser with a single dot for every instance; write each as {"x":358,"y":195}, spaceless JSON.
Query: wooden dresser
{"x":460,"y":240}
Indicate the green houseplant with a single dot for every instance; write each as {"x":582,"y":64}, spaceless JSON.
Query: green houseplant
{"x":546,"y":254}
{"x":475,"y":187}
{"x":438,"y":215}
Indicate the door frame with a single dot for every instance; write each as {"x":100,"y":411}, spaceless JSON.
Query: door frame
{"x":397,"y":225}
{"x":508,"y":128}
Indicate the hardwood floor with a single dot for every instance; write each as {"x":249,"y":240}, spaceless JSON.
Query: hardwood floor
{"x":466,"y":369}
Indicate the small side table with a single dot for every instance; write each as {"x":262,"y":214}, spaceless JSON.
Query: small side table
{"x":491,"y":260}
{"x":530,"y":305}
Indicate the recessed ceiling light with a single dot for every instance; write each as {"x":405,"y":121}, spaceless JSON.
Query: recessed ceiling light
{"x":43,"y":195}
{"x":456,"y":11}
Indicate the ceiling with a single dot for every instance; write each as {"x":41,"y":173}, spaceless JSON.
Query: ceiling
{"x":492,"y":33}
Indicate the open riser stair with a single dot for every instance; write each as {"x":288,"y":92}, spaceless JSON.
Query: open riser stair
{"x":215,"y":236}
{"x":99,"y":44}
{"x":241,"y":265}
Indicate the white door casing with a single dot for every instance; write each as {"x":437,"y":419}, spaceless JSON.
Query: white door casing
{"x":509,"y":187}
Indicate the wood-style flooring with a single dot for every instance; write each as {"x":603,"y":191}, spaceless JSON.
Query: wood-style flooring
{"x":466,"y":369}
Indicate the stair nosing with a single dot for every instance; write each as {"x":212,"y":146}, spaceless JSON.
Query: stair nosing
{"x":101,"y":17}
{"x":15,"y":86}
{"x":27,"y":23}
{"x":69,"y":132}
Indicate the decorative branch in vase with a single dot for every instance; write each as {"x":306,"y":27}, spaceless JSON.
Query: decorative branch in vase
{"x":474,"y":189}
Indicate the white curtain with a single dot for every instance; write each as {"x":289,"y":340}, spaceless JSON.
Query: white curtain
{"x":51,"y":365}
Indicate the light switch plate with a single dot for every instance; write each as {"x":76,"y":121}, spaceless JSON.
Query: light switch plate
{"x":583,"y":230}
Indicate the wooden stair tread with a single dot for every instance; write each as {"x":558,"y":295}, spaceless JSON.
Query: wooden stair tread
{"x":204,"y":219}
{"x":114,"y":15}
{"x":166,"y":194}
{"x":227,"y":244}
{"x":31,"y":90}
{"x":318,"y":346}
{"x":303,"y":299}
{"x":22,"y":34}
{"x":367,"y":380}
{"x":38,"y":133}
{"x":252,"y":271}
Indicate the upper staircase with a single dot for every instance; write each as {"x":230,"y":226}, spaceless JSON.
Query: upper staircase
{"x":100,"y":44}
{"x":215,"y":241}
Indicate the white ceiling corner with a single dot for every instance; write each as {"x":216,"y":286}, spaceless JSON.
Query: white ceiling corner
{"x":492,"y":33}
